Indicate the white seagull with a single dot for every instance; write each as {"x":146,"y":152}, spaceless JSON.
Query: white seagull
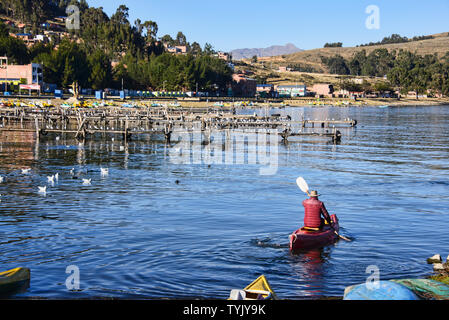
{"x":57,"y":176}
{"x":43,"y":189}
{"x":104,"y":171}
{"x":87,"y":181}
{"x":51,"y":179}
{"x":2,"y":179}
{"x":26,"y":171}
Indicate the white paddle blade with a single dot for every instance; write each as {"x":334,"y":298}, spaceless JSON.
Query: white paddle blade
{"x":302,"y":184}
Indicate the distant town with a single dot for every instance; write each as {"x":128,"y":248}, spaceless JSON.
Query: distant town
{"x":205,"y":72}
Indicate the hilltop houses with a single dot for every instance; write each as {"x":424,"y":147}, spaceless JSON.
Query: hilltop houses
{"x":175,"y":49}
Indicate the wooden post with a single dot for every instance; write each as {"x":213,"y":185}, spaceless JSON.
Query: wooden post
{"x":80,"y":127}
{"x":126,"y":130}
{"x":36,"y":123}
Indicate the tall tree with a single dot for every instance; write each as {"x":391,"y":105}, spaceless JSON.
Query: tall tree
{"x":181,"y":39}
{"x":100,"y":70}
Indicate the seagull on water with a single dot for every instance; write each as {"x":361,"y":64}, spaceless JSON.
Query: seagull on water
{"x":87,"y":181}
{"x":57,"y":176}
{"x":104,"y":171}
{"x":26,"y":171}
{"x":51,"y":179}
{"x":2,"y":179}
{"x":43,"y":189}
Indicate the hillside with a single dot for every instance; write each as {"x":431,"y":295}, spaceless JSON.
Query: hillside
{"x":312,"y":58}
{"x":247,"y":53}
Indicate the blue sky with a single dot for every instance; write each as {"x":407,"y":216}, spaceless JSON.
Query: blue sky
{"x":234,"y":24}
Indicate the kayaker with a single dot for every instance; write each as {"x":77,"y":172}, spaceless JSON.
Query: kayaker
{"x":314,"y":209}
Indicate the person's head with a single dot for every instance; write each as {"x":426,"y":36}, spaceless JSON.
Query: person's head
{"x":314,"y":194}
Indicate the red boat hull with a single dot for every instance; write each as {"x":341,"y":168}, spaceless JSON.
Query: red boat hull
{"x":304,"y":239}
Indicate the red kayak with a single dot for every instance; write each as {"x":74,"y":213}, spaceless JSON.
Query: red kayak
{"x":308,"y":239}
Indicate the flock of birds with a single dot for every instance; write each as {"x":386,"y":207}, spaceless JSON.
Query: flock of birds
{"x":51,"y":179}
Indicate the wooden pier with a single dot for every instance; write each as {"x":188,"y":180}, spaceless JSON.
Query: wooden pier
{"x":84,"y":122}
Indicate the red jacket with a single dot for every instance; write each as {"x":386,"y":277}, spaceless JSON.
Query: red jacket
{"x":314,"y":208}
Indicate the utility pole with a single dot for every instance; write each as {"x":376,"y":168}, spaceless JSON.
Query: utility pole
{"x":6,"y":80}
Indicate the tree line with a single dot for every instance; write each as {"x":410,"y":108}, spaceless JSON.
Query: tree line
{"x":107,"y":52}
{"x":396,"y":38}
{"x":404,"y":70}
{"x":333,"y":45}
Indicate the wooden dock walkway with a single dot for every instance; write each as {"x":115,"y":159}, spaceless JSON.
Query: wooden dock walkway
{"x":84,"y":122}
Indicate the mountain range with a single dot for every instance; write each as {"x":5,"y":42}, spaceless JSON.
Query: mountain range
{"x":276,"y":50}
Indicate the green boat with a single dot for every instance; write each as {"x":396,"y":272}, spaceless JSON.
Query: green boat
{"x":426,"y":289}
{"x":14,"y":280}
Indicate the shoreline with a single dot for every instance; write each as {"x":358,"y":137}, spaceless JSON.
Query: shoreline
{"x":217,"y":103}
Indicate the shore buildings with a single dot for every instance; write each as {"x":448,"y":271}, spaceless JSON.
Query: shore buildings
{"x":292,"y":91}
{"x":243,"y":86}
{"x":13,"y":75}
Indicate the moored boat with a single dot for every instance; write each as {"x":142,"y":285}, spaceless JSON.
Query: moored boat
{"x":14,"y":279}
{"x":426,"y":288}
{"x":306,"y":238}
{"x":382,"y":290}
{"x":259,"y":289}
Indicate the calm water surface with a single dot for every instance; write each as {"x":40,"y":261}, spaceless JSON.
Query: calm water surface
{"x":136,"y":233}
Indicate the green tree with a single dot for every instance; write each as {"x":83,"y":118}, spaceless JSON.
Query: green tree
{"x":383,"y":86}
{"x":195,"y":49}
{"x":100,"y":70}
{"x":181,"y":39}
{"x":336,"y":65}
{"x":14,"y":49}
{"x":333,"y":45}
{"x":208,"y":49}
{"x":168,"y":40}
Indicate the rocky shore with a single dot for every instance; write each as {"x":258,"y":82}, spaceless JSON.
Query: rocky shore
{"x":440,"y":268}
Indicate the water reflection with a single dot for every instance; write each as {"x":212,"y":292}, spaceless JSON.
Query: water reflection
{"x":17,"y":149}
{"x":309,"y":266}
{"x":132,"y":230}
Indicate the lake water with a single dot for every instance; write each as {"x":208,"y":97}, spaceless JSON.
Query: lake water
{"x":155,"y":227}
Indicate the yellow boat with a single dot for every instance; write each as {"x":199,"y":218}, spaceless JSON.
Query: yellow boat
{"x":14,"y":279}
{"x":259,"y":289}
